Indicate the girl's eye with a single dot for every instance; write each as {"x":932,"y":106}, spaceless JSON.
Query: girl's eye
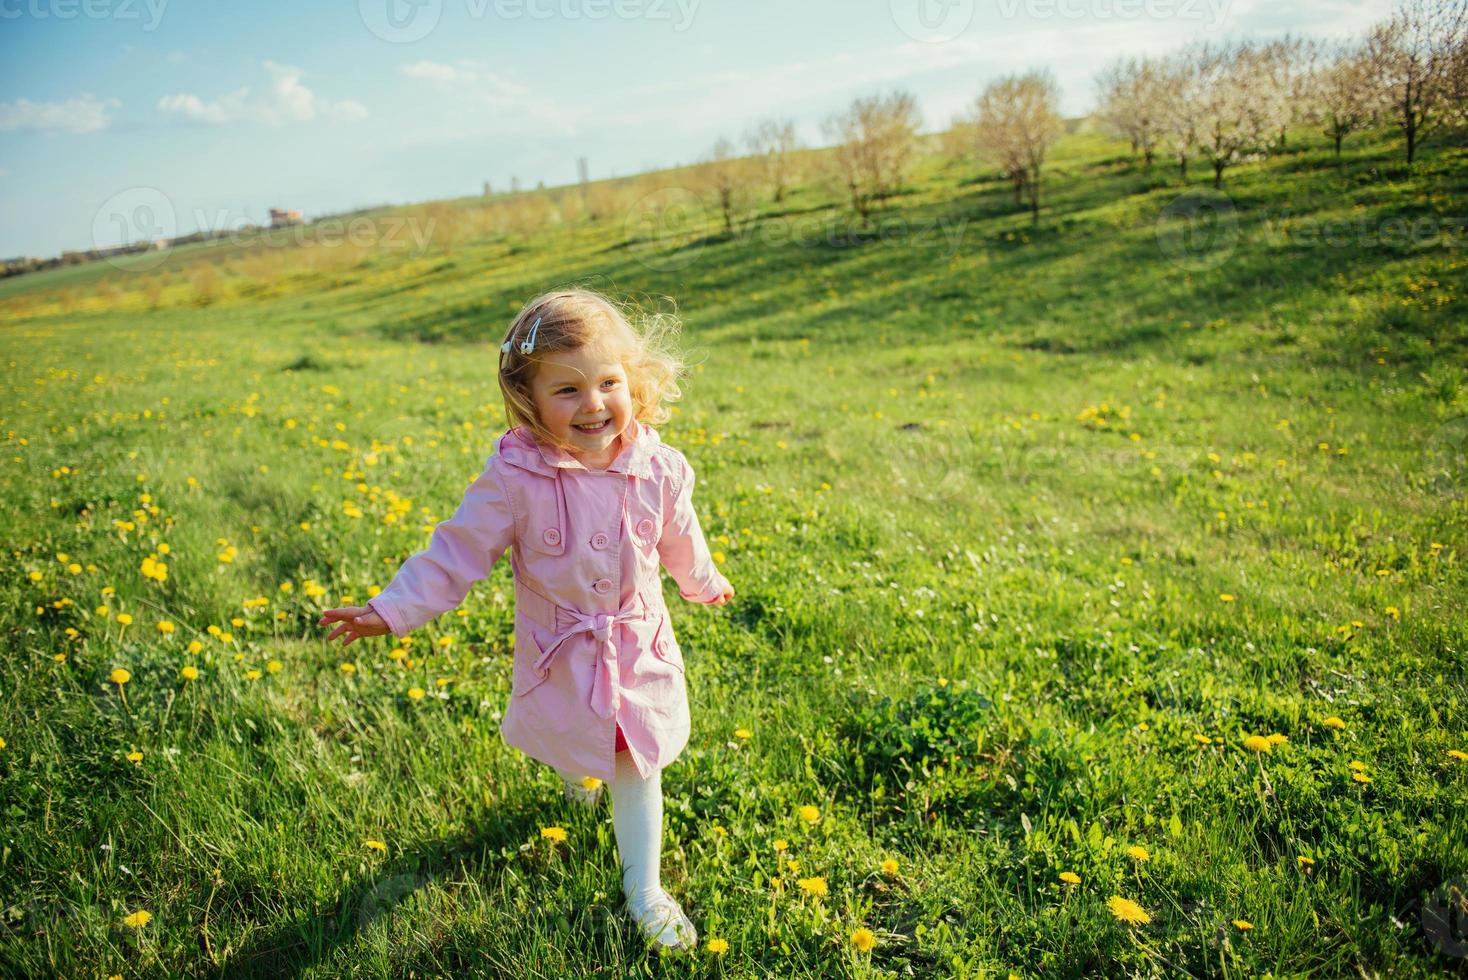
{"x":609,"y":381}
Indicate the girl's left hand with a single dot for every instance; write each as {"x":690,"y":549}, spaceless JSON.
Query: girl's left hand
{"x":727,"y":595}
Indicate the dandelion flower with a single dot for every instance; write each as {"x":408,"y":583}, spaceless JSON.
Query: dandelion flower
{"x":810,"y":814}
{"x":138,"y":919}
{"x":376,"y":845}
{"x":254,"y":674}
{"x":1277,"y":739}
{"x":120,"y":676}
{"x":742,"y":733}
{"x":415,"y":693}
{"x":2,"y":743}
{"x":781,"y":845}
{"x":189,"y":673}
{"x":863,"y":940}
{"x":1225,"y":597}
{"x":1357,"y":765}
{"x":889,"y":866}
{"x":1360,"y":777}
{"x":1128,"y":911}
{"x":349,"y":668}
{"x":1203,"y":739}
{"x":1334,"y":722}
{"x":135,"y":756}
{"x":1243,"y":925}
{"x":124,"y":619}
{"x":556,"y":834}
{"x":1305,"y":862}
{"x":165,"y":627}
{"x":813,"y":886}
{"x":1138,"y":853}
{"x":1257,"y":743}
{"x":717,"y":946}
{"x":1070,"y":877}
{"x":591,"y":783}
{"x":1458,"y":754}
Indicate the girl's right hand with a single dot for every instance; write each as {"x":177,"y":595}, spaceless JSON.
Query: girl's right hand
{"x":356,"y":622}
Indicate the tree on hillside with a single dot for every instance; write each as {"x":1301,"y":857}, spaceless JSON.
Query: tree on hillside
{"x":725,"y":175}
{"x":1412,"y":59}
{"x":1131,"y":101}
{"x":1016,"y":120}
{"x":1181,"y":106}
{"x":1291,"y":72}
{"x":1239,"y":107}
{"x":875,"y":138}
{"x":772,"y":146}
{"x":1347,"y":98}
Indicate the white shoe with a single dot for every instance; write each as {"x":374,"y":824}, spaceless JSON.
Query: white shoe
{"x":662,"y":920}
{"x":577,"y":793}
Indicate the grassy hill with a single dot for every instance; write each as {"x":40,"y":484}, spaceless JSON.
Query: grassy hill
{"x":1032,"y":527}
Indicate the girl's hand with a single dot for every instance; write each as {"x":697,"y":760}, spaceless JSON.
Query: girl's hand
{"x":728,"y":594}
{"x":356,"y":622}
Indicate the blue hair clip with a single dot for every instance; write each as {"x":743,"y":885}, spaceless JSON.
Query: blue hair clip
{"x":527,"y":347}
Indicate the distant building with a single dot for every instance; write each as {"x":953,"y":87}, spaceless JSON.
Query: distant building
{"x":279,"y":217}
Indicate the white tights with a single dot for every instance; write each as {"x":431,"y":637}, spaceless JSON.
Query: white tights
{"x":637,"y":822}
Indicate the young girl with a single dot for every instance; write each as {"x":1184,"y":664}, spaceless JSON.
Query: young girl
{"x":592,"y":501}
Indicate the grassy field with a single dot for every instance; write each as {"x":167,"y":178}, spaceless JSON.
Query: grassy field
{"x":1119,"y":555}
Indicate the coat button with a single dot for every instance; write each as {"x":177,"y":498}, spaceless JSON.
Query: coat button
{"x":599,"y":540}
{"x":644,"y":528}
{"x":552,"y":536}
{"x":602,"y":586}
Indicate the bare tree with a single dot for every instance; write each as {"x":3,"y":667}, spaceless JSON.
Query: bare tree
{"x":1016,"y":120}
{"x":875,"y":138}
{"x":1347,"y":98}
{"x":726,"y":176}
{"x":1131,"y":101}
{"x":1291,"y":70}
{"x":1240,"y":108}
{"x":1412,"y":59}
{"x":772,"y":146}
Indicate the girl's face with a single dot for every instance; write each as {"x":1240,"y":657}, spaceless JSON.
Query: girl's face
{"x":582,"y":399}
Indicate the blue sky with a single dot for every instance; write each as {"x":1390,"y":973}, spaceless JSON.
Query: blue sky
{"x":214,"y":112}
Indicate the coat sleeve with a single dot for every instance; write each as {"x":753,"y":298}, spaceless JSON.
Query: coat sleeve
{"x":683,"y":550}
{"x":461,"y":551}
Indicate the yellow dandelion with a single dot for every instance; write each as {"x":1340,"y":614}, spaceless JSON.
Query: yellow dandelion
{"x":742,"y":733}
{"x":889,"y":866}
{"x":2,"y":743}
{"x":165,"y":627}
{"x":1458,"y":754}
{"x":813,"y":886}
{"x":415,"y":693}
{"x":275,"y":666}
{"x":135,"y":756}
{"x":349,"y":668}
{"x":254,"y":674}
{"x":781,"y":845}
{"x":1128,"y":911}
{"x":120,"y":676}
{"x":863,"y":939}
{"x":1305,"y":862}
{"x":60,"y":658}
{"x":1257,"y":743}
{"x":1243,"y":925}
{"x":1138,"y":853}
{"x":1277,"y":739}
{"x":717,"y":946}
{"x":138,"y":919}
{"x":1360,"y":777}
{"x":1333,"y":722}
{"x":189,"y":673}
{"x":591,"y":783}
{"x":1394,"y":612}
{"x":809,"y":813}
{"x":1225,"y":597}
{"x":124,"y":619}
{"x":1070,"y":877}
{"x":1357,"y":765}
{"x":557,"y":834}
{"x":376,"y":845}
{"x":1203,"y":739}
{"x":195,"y":646}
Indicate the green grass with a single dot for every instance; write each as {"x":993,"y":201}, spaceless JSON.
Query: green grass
{"x":980,"y":499}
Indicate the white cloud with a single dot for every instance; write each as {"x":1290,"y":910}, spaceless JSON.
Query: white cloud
{"x":83,"y":114}
{"x":284,"y":100}
{"x":470,"y":87}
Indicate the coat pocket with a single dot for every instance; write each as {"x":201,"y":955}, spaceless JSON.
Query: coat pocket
{"x":528,"y":649}
{"x":665,"y":645}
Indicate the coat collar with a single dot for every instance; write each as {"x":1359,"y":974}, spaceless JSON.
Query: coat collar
{"x":520,"y":448}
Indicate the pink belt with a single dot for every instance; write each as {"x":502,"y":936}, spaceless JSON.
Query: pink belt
{"x":551,"y":615}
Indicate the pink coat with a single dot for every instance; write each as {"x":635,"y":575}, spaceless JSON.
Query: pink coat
{"x":594,"y":647}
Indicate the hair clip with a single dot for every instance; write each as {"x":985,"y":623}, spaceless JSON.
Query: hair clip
{"x":526,"y":346}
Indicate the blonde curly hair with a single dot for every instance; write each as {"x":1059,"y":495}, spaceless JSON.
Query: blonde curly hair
{"x":578,"y":317}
